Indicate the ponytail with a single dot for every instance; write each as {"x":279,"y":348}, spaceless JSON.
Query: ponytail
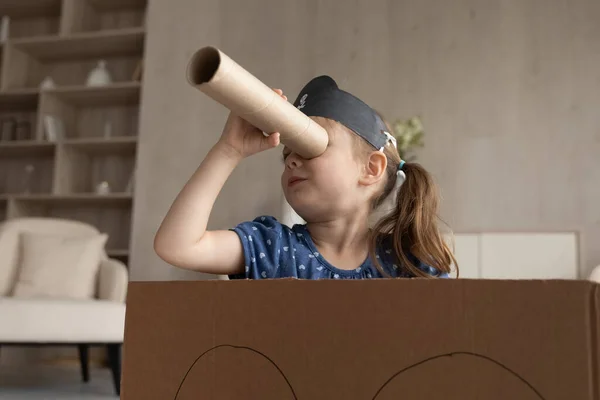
{"x":412,"y":222}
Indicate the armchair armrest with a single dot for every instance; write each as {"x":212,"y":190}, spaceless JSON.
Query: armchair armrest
{"x":595,"y":275}
{"x":112,"y":280}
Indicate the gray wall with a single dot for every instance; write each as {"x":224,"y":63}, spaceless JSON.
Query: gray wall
{"x":509,"y":92}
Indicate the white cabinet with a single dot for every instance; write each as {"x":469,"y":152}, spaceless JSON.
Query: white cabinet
{"x":467,"y":254}
{"x":518,"y":255}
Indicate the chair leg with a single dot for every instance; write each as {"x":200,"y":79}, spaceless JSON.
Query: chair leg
{"x":114,"y":359}
{"x":84,"y":361}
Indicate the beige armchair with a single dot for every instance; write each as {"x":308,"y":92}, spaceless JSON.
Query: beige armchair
{"x":96,"y":317}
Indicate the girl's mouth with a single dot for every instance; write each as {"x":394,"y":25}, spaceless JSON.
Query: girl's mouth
{"x":294,"y":180}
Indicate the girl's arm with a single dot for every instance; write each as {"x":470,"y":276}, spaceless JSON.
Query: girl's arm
{"x":182,"y":239}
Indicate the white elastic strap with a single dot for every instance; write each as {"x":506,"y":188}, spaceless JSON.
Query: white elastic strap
{"x":390,"y":138}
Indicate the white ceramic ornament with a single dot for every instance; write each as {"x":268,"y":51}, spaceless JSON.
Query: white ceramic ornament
{"x":99,"y":76}
{"x":47,"y":83}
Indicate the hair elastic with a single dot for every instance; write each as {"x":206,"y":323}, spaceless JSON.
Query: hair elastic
{"x":400,"y":175}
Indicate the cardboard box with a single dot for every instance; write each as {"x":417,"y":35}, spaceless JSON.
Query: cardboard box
{"x":364,"y":340}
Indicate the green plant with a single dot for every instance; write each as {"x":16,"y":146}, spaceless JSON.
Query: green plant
{"x":409,"y":135}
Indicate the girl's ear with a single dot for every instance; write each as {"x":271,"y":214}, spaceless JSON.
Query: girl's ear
{"x":374,"y":168}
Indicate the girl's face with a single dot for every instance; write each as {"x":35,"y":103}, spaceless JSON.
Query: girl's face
{"x":325,"y":187}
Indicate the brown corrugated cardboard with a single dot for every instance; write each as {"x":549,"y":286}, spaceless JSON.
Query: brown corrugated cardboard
{"x":215,"y":74}
{"x":368,"y":340}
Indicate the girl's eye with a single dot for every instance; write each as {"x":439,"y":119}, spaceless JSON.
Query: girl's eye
{"x":284,"y":156}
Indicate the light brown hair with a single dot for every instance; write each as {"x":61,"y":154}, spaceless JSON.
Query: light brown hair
{"x":413,"y":222}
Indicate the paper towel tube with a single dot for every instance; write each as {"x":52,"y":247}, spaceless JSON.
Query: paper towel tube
{"x":215,"y":74}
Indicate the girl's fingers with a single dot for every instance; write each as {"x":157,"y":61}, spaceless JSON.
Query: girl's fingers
{"x":269,"y":142}
{"x":274,"y":139}
{"x":280,"y":92}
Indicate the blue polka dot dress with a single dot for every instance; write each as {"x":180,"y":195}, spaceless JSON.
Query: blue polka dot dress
{"x":272,"y":250}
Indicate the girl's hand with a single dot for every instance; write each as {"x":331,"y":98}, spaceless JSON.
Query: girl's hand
{"x":242,"y":139}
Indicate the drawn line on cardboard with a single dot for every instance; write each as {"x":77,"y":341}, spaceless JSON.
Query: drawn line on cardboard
{"x":498,"y":363}
{"x":235,"y":347}
{"x":404,"y":370}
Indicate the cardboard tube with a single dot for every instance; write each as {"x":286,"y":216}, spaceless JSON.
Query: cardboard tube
{"x":218,"y":76}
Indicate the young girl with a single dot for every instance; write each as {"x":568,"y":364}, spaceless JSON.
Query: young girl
{"x":336,"y":194}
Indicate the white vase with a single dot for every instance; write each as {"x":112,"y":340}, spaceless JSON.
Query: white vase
{"x":47,"y":83}
{"x":99,"y":76}
{"x":103,"y":188}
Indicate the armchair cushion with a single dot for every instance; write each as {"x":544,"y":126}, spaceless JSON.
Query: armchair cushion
{"x":58,"y":266}
{"x":10,"y":232}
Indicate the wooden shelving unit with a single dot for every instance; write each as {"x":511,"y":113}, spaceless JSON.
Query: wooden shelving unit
{"x":125,"y":93}
{"x":26,"y":147}
{"x":42,"y":175}
{"x":20,"y":99}
{"x":76,"y":46}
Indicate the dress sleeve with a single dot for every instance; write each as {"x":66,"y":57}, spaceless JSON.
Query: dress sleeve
{"x":261,"y":240}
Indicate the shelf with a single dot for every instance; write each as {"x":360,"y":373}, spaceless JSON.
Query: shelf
{"x":112,"y":5}
{"x":91,"y":199}
{"x":108,"y":43}
{"x":114,"y":145}
{"x":26,"y":148}
{"x":19,"y":99}
{"x":110,"y":95}
{"x":30,"y":8}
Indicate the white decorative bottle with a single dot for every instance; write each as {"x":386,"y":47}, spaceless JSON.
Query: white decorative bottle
{"x":99,"y":76}
{"x":107,"y":130}
{"x":4,"y":25}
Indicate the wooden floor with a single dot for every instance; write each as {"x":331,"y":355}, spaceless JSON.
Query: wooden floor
{"x":54,"y":383}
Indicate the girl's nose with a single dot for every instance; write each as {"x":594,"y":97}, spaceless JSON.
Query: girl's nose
{"x":293,"y":161}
